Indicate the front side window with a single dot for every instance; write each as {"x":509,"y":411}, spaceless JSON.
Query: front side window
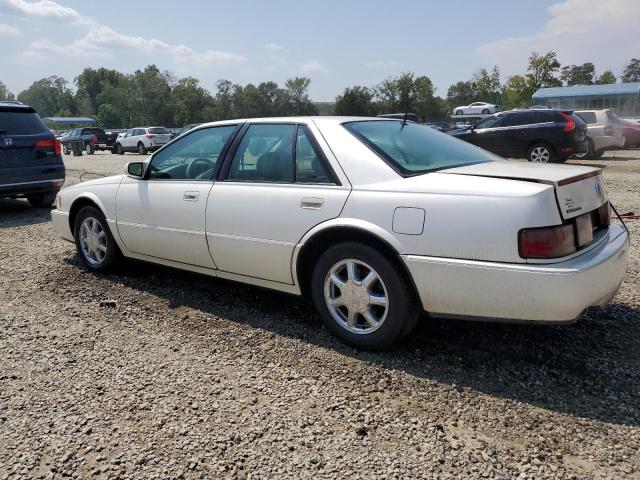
{"x":491,"y":122}
{"x":412,"y":149}
{"x":265,"y":154}
{"x":193,"y":157}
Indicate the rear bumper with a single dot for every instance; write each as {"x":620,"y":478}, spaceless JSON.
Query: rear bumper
{"x":28,"y":187}
{"x":546,"y":293}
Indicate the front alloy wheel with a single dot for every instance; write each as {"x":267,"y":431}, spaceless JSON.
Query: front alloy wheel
{"x":356,"y":296}
{"x":94,"y":241}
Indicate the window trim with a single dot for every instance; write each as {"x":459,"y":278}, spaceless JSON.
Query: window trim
{"x":216,"y":168}
{"x":223,"y":174}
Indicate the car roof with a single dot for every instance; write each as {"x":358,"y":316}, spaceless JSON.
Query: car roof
{"x":14,"y":106}
{"x":318,"y":119}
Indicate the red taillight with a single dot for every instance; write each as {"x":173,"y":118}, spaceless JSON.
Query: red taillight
{"x":150,"y":135}
{"x":571,"y":125}
{"x":547,"y":242}
{"x":94,"y":138}
{"x":49,"y":146}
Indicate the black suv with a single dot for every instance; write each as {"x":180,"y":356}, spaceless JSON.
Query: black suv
{"x":30,"y":161}
{"x":539,"y":135}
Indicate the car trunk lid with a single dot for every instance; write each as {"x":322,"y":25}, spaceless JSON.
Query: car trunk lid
{"x":578,"y":188}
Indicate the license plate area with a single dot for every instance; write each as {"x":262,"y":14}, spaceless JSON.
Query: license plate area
{"x":584,"y":229}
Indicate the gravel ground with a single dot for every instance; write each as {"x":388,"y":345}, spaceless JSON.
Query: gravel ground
{"x":154,"y":373}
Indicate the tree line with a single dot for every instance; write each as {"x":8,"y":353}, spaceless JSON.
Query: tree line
{"x":154,"y":97}
{"x":408,"y":93}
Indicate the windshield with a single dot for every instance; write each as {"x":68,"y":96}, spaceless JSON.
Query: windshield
{"x":412,"y":148}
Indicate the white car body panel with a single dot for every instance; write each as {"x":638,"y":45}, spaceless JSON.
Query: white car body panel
{"x":250,"y":222}
{"x":476,"y":108}
{"x":455,"y":230}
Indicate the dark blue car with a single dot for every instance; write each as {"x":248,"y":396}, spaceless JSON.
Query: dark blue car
{"x":31,"y":163}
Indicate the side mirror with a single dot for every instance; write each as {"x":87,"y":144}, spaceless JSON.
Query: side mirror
{"x":135,"y":169}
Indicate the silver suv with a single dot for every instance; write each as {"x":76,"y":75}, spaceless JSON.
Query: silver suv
{"x":142,"y":140}
{"x":603,"y":132}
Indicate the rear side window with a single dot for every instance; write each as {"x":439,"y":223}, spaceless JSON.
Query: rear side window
{"x":519,"y":118}
{"x":159,"y":131}
{"x":265,"y":154}
{"x":587,"y":117}
{"x":544,"y":117}
{"x":309,"y":167}
{"x":21,"y":123}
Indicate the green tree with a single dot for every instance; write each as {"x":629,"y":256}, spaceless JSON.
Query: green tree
{"x":90,"y":84}
{"x":357,"y":101}
{"x":5,"y":94}
{"x":486,"y":85}
{"x":150,"y":97}
{"x":542,"y":70}
{"x":606,"y":77}
{"x":50,"y":97}
{"x":223,"y":100}
{"x":631,"y":72}
{"x":297,"y":95}
{"x":190,"y":101}
{"x":516,"y":92}
{"x":460,"y":93}
{"x":578,"y":74}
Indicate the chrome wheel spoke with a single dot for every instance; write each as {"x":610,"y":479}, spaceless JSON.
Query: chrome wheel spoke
{"x":379,"y":300}
{"x":370,"y":318}
{"x":335,"y":280}
{"x":369,"y":279}
{"x":336,"y":302}
{"x":351,"y":318}
{"x":351,"y":271}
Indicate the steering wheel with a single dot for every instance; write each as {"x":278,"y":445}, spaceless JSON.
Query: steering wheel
{"x":198,"y":166}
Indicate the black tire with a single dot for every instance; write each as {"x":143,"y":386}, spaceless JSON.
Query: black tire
{"x":597,"y":155}
{"x":42,"y":200}
{"x":586,"y":155}
{"x":535,"y":153}
{"x":402,"y":309}
{"x":90,"y":148}
{"x":65,"y":149}
{"x":119,"y":149}
{"x":485,"y":111}
{"x":112,"y":253}
{"x":142,"y":150}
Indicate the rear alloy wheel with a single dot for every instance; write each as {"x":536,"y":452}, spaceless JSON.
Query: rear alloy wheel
{"x":94,"y":241}
{"x":142,"y":150}
{"x":65,"y":149}
{"x":42,"y":200}
{"x":89,"y":148}
{"x":485,"y":111}
{"x":362,"y":296}
{"x":540,"y":153}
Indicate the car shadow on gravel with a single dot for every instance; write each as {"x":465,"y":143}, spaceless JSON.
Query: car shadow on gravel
{"x":588,"y":369}
{"x":18,"y":213}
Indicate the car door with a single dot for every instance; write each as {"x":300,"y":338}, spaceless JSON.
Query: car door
{"x":518,"y":132}
{"x":126,"y":139}
{"x":266,"y":201}
{"x":163,"y":215}
{"x":487,"y":134}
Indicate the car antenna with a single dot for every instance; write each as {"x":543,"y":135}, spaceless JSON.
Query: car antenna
{"x":404,"y":121}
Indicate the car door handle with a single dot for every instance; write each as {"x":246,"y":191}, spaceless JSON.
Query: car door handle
{"x":191,"y":196}
{"x":312,"y":203}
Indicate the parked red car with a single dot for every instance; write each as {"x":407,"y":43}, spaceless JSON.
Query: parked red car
{"x":631,"y":132}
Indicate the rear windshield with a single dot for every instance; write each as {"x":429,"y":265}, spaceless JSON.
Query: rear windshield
{"x":159,"y":131}
{"x":412,"y":149}
{"x":587,"y":117}
{"x":21,"y":123}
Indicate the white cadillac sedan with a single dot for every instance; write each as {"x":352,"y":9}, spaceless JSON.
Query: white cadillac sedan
{"x":376,"y":220}
{"x":477,"y":108}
